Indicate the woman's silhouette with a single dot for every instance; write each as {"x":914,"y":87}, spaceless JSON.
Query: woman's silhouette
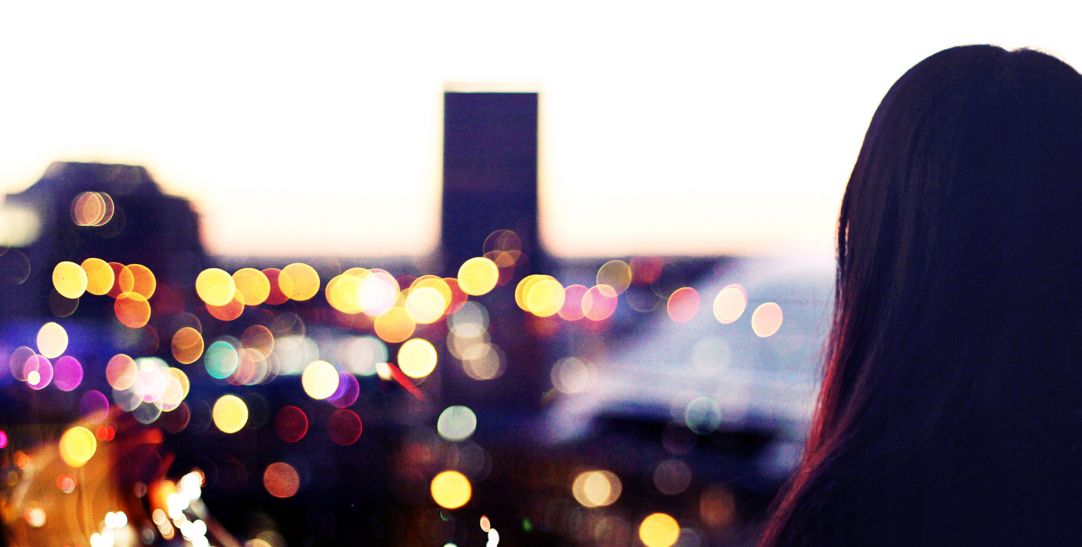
{"x":951,"y":407}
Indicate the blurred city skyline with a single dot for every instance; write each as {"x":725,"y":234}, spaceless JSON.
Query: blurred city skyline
{"x":701,"y":130}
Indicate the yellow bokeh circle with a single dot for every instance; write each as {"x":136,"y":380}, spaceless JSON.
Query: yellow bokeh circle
{"x":304,"y":280}
{"x":252,"y":285}
{"x":230,"y":413}
{"x":451,"y":489}
{"x":99,"y":276}
{"x":215,"y":287}
{"x":69,"y":279}
{"x":417,"y":358}
{"x":344,"y":293}
{"x":659,"y":530}
{"x":320,"y":380}
{"x":395,"y":325}
{"x":425,"y":305}
{"x":544,"y":297}
{"x":77,"y":446}
{"x":478,"y":276}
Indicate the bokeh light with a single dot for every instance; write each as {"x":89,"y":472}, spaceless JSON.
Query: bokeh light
{"x":252,"y":286}
{"x":659,"y":530}
{"x":62,"y":307}
{"x":672,"y":477}
{"x":360,"y":354}
{"x":143,"y":280}
{"x":215,"y":287}
{"x":379,"y":292}
{"x":230,"y":414}
{"x":52,"y":340}
{"x":349,"y":390}
{"x":259,"y":338}
{"x":176,"y":389}
{"x":458,"y":298}
{"x":281,"y":480}
{"x":683,"y":305}
{"x":291,"y":424}
{"x":228,"y":312}
{"x":132,"y":310}
{"x":121,"y":372}
{"x":344,"y":291}
{"x":92,"y":209}
{"x":477,"y":276}
{"x":599,"y":303}
{"x":702,"y":415}
{"x":417,"y":358}
{"x":730,"y":303}
{"x":456,"y":423}
{"x":572,"y":308}
{"x":125,"y":278}
{"x":320,"y":380}
{"x":717,"y":507}
{"x":766,"y":319}
{"x":572,"y":375}
{"x":252,"y":367}
{"x":69,"y":279}
{"x":221,"y":359}
{"x":77,"y":446}
{"x":94,"y":405}
{"x":451,"y":489}
{"x":304,"y":281}
{"x":67,"y":373}
{"x":373,"y":323}
{"x":146,"y":387}
{"x":344,"y":427}
{"x":616,"y":274}
{"x":470,"y":321}
{"x":17,"y":362}
{"x":14,"y":266}
{"x":35,"y":516}
{"x":119,"y":271}
{"x":99,"y":276}
{"x":280,"y":287}
{"x":596,"y":488}
{"x":38,"y":371}
{"x":483,"y":361}
{"x":187,"y":345}
{"x":395,"y":325}
{"x":425,"y":305}
{"x":541,"y":295}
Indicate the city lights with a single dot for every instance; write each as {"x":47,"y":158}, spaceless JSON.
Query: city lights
{"x":490,"y":382}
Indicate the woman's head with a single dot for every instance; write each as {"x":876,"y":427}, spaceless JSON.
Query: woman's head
{"x":959,"y":286}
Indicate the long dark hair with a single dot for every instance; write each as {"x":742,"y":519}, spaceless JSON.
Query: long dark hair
{"x":951,"y":404}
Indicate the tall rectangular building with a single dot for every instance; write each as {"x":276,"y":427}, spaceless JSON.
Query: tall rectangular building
{"x":490,"y":184}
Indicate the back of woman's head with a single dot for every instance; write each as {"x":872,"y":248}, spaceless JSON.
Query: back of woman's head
{"x":956,"y":351}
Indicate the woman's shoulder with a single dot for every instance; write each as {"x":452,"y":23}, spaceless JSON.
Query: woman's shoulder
{"x":965,"y":499}
{"x":866,"y":504}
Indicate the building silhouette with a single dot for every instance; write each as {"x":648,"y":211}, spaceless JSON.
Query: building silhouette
{"x":113,"y":212}
{"x":490,"y":185}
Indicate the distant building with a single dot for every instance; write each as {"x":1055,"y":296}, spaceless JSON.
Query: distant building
{"x":80,"y":210}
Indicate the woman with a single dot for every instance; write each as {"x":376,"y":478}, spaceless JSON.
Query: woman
{"x":951,"y":407}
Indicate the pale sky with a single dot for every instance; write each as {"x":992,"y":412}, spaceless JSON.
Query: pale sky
{"x":315,"y":128}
